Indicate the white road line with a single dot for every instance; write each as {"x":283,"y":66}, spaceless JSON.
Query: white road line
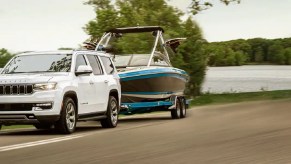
{"x":41,"y":142}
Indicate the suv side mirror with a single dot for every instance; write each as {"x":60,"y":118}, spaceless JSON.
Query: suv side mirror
{"x":83,"y":69}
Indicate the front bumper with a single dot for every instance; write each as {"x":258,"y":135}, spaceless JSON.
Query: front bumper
{"x":26,"y":119}
{"x":20,"y":110}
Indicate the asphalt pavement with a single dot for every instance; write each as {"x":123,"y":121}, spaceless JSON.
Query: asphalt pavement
{"x":250,"y":132}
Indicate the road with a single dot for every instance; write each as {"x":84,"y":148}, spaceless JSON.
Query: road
{"x":254,"y":132}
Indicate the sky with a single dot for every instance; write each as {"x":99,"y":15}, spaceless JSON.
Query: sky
{"x":33,"y":25}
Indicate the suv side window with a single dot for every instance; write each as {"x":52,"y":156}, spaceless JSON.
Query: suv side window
{"x":80,"y":61}
{"x":95,"y":64}
{"x":109,"y":68}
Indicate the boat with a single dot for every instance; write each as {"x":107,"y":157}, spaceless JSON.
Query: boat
{"x":145,"y":76}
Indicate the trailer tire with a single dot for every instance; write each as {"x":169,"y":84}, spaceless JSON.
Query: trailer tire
{"x":176,"y":112}
{"x":183,"y":108}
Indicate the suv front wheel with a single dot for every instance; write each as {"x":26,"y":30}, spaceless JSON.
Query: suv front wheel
{"x":111,"y":119}
{"x":67,"y":122}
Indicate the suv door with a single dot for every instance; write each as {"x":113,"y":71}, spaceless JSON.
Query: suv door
{"x":111,"y":73}
{"x":100,"y":81}
{"x":86,"y":88}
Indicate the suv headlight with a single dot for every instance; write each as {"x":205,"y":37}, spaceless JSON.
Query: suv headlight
{"x":44,"y":86}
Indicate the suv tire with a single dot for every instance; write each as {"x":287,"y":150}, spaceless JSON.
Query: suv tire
{"x":112,"y":114}
{"x":68,"y":118}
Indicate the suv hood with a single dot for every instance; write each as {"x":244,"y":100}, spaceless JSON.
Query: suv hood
{"x":28,"y":78}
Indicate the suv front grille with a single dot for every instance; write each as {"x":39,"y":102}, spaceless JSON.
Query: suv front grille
{"x":16,"y":89}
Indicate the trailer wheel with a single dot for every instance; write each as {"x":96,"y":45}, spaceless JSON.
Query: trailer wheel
{"x":176,"y":113}
{"x":183,"y":108}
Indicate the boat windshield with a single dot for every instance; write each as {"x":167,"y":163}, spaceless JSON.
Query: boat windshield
{"x":139,"y":60}
{"x":122,"y":61}
{"x":39,"y":63}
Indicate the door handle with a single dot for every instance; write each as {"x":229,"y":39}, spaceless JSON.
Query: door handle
{"x":106,"y":81}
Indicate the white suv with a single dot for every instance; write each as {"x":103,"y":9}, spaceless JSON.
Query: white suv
{"x":58,"y":88}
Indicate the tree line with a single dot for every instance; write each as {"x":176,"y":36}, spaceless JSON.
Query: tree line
{"x":229,"y":53}
{"x":250,"y":51}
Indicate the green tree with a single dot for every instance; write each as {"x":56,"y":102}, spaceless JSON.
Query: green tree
{"x":198,"y":5}
{"x":106,"y":18}
{"x":213,"y":52}
{"x":222,"y":55}
{"x":276,"y":53}
{"x":258,"y":44}
{"x":258,"y":50}
{"x":4,"y":57}
{"x":280,"y":58}
{"x":125,"y":13}
{"x":193,"y":54}
{"x":258,"y":54}
{"x":240,"y":58}
{"x":287,"y":54}
{"x":286,"y":42}
{"x":242,"y":46}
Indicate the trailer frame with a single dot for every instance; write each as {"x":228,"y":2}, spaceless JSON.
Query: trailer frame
{"x":177,"y":105}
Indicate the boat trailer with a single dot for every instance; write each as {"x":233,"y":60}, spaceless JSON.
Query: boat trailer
{"x":177,"y":105}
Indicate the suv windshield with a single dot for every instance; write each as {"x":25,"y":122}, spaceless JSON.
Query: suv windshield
{"x":39,"y":63}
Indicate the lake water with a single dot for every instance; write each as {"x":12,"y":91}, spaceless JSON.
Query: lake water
{"x":247,"y":79}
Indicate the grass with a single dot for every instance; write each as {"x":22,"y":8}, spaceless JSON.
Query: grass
{"x":208,"y":99}
{"x":16,"y":127}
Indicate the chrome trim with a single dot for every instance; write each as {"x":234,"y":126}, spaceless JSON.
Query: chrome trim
{"x":16,"y":89}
